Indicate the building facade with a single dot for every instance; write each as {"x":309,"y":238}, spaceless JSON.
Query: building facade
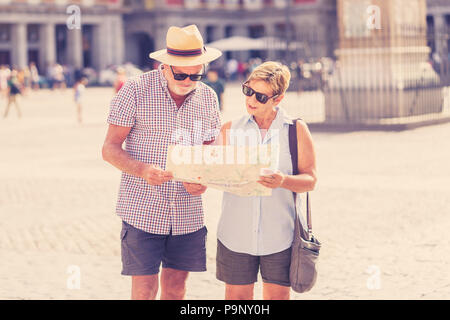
{"x":110,"y":32}
{"x":89,"y":34}
{"x":438,"y":27}
{"x":311,"y":21}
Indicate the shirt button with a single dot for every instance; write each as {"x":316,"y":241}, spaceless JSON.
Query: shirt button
{"x":172,"y":203}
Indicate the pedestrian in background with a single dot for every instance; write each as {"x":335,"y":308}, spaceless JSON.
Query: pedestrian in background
{"x":232,"y":69}
{"x":14,"y":89}
{"x":79,"y":89}
{"x":213,"y":80}
{"x":4,"y":75}
{"x":34,"y":74}
{"x":121,"y":78}
{"x":59,"y":80}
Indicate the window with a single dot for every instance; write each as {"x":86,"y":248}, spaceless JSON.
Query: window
{"x":33,"y":33}
{"x":229,"y":30}
{"x":210,"y":31}
{"x":5,"y":33}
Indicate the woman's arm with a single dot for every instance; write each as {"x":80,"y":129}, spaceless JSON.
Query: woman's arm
{"x":306,"y":180}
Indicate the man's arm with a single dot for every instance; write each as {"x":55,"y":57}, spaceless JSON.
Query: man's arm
{"x":113,"y":153}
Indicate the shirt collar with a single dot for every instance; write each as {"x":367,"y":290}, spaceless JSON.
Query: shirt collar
{"x":162,"y":78}
{"x":281,"y":116}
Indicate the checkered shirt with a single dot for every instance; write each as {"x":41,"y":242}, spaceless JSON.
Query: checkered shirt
{"x":145,"y":105}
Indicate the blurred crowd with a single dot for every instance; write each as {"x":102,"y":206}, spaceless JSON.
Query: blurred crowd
{"x":59,"y":76}
{"x":20,"y":81}
{"x":311,"y":74}
{"x":306,"y":75}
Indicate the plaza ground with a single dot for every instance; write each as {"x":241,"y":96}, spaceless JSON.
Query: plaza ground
{"x":381,"y":208}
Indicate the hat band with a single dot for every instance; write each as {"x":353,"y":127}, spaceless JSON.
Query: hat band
{"x":184,"y":53}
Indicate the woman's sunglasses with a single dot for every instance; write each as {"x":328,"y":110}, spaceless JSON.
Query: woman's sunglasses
{"x":260,"y":97}
{"x":182,"y":76}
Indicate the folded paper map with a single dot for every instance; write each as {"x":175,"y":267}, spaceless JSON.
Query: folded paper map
{"x":230,"y":168}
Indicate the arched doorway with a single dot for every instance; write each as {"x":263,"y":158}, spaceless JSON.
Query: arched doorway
{"x":138,"y":47}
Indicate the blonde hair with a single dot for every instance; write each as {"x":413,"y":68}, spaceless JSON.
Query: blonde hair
{"x":273,"y":73}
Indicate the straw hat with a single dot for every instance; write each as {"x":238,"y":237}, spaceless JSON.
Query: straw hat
{"x":185,"y":48}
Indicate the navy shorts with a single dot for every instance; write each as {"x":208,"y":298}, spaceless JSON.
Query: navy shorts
{"x":143,"y":252}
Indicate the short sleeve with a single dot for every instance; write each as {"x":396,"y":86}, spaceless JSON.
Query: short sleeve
{"x":123,"y":106}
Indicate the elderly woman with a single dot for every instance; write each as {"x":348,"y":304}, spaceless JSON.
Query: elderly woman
{"x":256,"y":233}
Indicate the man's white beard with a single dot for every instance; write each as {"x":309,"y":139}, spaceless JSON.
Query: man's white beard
{"x":183,"y":92}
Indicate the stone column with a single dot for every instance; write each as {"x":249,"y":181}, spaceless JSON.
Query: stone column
{"x":47,"y":54}
{"x":97,"y":47}
{"x":19,"y":57}
{"x":202,"y":29}
{"x":382,"y":73}
{"x":74,"y":48}
{"x":159,"y":33}
{"x":271,"y":34}
{"x":241,"y":31}
{"x":219,"y":33}
{"x":102,"y":44}
{"x":119,"y":39}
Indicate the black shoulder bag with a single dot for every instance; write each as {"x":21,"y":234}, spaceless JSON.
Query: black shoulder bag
{"x":305,"y":247}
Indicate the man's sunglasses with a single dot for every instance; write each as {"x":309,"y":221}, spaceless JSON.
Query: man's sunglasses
{"x":260,"y":97}
{"x":183,"y":76}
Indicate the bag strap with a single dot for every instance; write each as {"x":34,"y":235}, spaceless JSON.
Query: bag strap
{"x":293,"y":148}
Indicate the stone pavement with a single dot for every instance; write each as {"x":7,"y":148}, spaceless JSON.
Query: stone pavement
{"x":381,"y":208}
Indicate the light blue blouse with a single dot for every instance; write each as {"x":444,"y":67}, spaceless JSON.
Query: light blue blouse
{"x":261,"y":225}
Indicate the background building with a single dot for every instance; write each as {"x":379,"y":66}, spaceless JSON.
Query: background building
{"x":313,"y":21}
{"x":115,"y":31}
{"x":37,"y":31}
{"x":438,"y":25}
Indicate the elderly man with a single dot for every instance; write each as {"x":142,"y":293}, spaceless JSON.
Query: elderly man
{"x":162,"y":220}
